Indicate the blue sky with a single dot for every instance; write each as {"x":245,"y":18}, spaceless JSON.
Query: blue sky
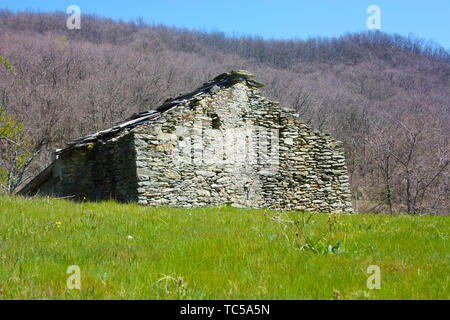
{"x":278,"y":19}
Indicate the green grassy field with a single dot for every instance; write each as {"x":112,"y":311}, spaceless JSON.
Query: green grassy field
{"x":133,"y":252}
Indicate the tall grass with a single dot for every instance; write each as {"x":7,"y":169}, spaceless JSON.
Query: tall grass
{"x":134,"y":252}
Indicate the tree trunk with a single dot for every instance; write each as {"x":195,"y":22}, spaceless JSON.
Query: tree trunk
{"x":408,"y":191}
{"x":388,"y":185}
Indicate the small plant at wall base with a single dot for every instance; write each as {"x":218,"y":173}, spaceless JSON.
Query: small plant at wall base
{"x":301,"y":233}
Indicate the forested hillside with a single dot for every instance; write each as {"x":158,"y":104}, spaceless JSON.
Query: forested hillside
{"x":387,"y":97}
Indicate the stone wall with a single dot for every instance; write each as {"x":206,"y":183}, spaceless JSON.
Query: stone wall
{"x":95,"y":172}
{"x":302,"y":169}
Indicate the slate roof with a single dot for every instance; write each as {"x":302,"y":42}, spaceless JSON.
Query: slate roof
{"x":223,"y":80}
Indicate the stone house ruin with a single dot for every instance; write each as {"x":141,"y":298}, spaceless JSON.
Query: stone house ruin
{"x":222,"y":144}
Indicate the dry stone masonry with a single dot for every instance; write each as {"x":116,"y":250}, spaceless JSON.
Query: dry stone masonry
{"x":223,"y":144}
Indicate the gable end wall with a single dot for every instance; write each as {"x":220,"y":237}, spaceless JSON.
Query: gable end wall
{"x":310,"y":173}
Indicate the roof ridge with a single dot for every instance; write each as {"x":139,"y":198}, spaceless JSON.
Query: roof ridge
{"x":224,"y":79}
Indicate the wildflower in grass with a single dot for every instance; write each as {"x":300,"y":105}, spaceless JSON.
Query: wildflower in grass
{"x":337,"y":294}
{"x":58,"y":224}
{"x":129,"y":237}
